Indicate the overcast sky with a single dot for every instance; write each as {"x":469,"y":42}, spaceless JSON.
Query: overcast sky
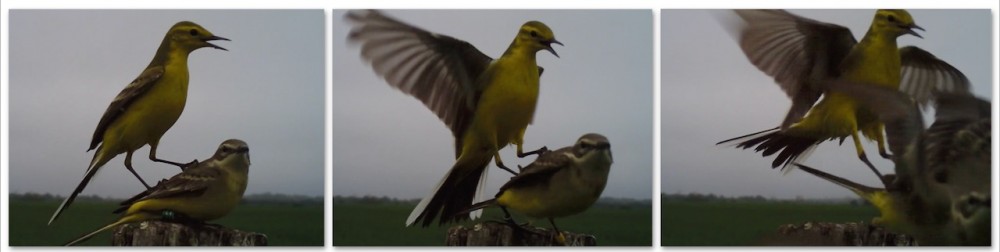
{"x":67,"y":65}
{"x":388,"y":143}
{"x":711,"y":92}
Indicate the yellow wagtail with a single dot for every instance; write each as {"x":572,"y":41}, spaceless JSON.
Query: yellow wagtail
{"x":206,"y":191}
{"x":559,"y":183}
{"x":147,"y":107}
{"x":800,"y":53}
{"x":940,"y":193}
{"x":486,"y":103}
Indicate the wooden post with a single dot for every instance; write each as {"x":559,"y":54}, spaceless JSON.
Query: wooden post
{"x":159,"y":233}
{"x":838,"y":234}
{"x":500,"y":234}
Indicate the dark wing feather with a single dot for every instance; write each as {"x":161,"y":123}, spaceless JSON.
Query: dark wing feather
{"x":192,"y":182}
{"x":438,"y":70}
{"x":924,"y":76}
{"x":132,"y":92}
{"x":796,"y":51}
{"x":541,"y":170}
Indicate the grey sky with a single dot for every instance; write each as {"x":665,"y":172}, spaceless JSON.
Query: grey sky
{"x":387,"y":143}
{"x":711,"y":92}
{"x":67,"y":65}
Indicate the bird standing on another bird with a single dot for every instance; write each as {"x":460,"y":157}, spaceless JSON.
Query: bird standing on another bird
{"x":800,"y":53}
{"x":206,"y":191}
{"x":147,"y":107}
{"x":940,"y":193}
{"x":486,"y":103}
{"x":559,"y":183}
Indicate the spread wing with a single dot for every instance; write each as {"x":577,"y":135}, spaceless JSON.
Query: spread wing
{"x":796,"y":51}
{"x":924,"y":75}
{"x":438,"y":70}
{"x":542,"y":169}
{"x":132,"y":91}
{"x":192,"y":182}
{"x":957,"y":145}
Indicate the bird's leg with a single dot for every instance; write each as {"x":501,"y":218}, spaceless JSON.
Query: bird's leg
{"x":560,"y":238}
{"x":128,"y":165}
{"x":862,"y":156}
{"x":880,"y":139}
{"x":152,"y":156}
{"x":496,"y":157}
{"x":539,"y":151}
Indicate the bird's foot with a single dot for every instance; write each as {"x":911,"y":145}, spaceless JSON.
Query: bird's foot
{"x":504,"y":167}
{"x":560,"y":239}
{"x":189,"y":165}
{"x":539,"y":152}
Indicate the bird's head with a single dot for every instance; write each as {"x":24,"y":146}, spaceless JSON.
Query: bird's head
{"x":537,"y":36}
{"x":593,"y":147}
{"x":895,"y":23}
{"x":190,"y":36}
{"x":233,"y":150}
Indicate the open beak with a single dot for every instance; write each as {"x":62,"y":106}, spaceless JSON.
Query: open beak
{"x":910,"y":30}
{"x":548,"y":46}
{"x":213,"y":37}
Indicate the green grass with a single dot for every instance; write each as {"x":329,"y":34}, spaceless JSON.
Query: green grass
{"x":285,"y":225}
{"x":381,"y":224}
{"x":745,"y":223}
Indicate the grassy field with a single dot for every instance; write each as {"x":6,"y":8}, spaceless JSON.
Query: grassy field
{"x":720,"y":223}
{"x":381,"y":224}
{"x":285,"y":225}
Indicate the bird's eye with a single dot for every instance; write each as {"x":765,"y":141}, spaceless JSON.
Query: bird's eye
{"x":226,"y":149}
{"x":534,"y":34}
{"x":194,"y":32}
{"x":892,"y":18}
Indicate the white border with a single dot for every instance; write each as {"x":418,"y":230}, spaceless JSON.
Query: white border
{"x":327,"y":5}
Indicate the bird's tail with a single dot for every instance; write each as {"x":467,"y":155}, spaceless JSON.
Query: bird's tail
{"x":771,"y":141}
{"x":478,"y":206}
{"x":859,"y":189}
{"x":455,"y":193}
{"x":100,"y":158}
{"x":140,"y":216}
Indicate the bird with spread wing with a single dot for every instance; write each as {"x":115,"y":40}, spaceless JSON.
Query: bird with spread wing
{"x":486,"y":103}
{"x":801,"y":53}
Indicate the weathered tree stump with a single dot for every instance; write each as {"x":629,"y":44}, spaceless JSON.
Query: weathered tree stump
{"x":838,"y":234}
{"x":160,"y":233}
{"x":500,"y":234}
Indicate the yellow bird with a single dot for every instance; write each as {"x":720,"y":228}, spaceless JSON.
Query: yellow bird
{"x":559,"y":183}
{"x":207,"y":191}
{"x":486,"y":103}
{"x":940,"y":193}
{"x":800,"y":53}
{"x":147,"y":107}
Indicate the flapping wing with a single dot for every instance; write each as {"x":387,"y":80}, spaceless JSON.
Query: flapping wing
{"x":132,"y":91}
{"x":957,"y":145}
{"x":924,"y":75}
{"x":796,"y":51}
{"x":902,"y":119}
{"x":438,"y":70}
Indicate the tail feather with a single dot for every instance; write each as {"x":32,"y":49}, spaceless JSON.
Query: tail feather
{"x":479,"y":206}
{"x":125,"y":219}
{"x":768,"y":142}
{"x":746,"y":136}
{"x":859,"y":189}
{"x":455,"y":193}
{"x":95,"y":164}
